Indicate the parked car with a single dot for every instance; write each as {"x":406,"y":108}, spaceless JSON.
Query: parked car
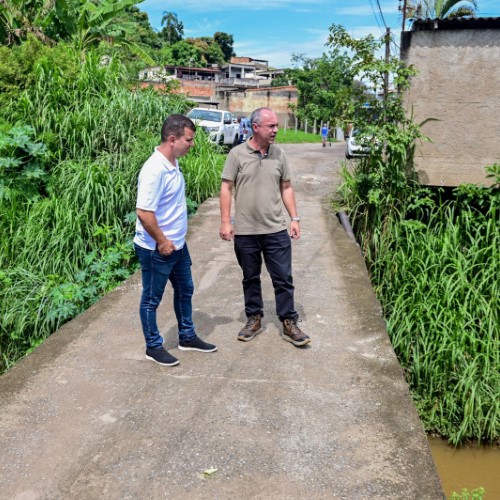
{"x":247,"y":129}
{"x":356,"y":145}
{"x":218,"y":124}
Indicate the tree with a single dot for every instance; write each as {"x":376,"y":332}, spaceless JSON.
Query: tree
{"x":441,"y":9}
{"x":186,"y":54}
{"x":324,"y":85}
{"x":225,"y":42}
{"x":87,"y":24}
{"x":19,"y":18}
{"x":173,"y":29}
{"x":280,"y":81}
{"x":145,"y":35}
{"x":210,"y":51}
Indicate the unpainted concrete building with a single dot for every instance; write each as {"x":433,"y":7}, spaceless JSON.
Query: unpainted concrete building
{"x":458,"y":86}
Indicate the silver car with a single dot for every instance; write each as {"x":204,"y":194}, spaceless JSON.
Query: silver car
{"x":353,"y":148}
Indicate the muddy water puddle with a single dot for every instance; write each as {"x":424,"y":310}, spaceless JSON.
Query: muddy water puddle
{"x":467,"y":467}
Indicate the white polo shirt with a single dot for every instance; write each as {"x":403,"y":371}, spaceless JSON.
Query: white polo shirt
{"x":161,"y":189}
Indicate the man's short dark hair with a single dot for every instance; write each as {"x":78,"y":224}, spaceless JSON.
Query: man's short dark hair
{"x":256,"y":116}
{"x":175,"y":125}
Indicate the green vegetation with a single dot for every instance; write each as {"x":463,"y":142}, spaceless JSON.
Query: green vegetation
{"x":465,"y":494}
{"x":72,"y":142}
{"x":325,"y":87}
{"x":435,"y":268}
{"x":292,"y":136}
{"x":434,"y":259}
{"x":440,"y":9}
{"x":114,"y":27}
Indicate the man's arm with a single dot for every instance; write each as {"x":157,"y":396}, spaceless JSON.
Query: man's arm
{"x":288,"y":197}
{"x":226,"y":228}
{"x":150,"y":224}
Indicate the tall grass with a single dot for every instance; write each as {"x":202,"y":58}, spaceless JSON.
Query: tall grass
{"x":93,"y":113}
{"x":65,"y":247}
{"x":438,"y":283}
{"x":202,"y":168}
{"x":435,"y":266}
{"x":381,"y":184}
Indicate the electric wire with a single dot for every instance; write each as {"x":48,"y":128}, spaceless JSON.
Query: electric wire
{"x":376,"y":16}
{"x":381,"y":14}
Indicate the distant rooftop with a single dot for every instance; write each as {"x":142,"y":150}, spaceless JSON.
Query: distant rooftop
{"x":248,"y":60}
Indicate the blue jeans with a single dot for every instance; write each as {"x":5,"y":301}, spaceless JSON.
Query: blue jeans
{"x":157,"y":269}
{"x":276,"y":248}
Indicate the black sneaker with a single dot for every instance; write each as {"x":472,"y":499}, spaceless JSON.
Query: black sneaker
{"x":292,"y":333}
{"x":161,"y":357}
{"x":197,"y":345}
{"x":251,"y":329}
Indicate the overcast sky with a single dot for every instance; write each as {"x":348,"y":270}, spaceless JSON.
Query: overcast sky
{"x":275,"y":29}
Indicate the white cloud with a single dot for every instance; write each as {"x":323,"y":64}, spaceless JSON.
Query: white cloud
{"x":279,"y":53}
{"x":222,"y":5}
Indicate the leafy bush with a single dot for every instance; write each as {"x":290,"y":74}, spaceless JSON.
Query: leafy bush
{"x":22,"y":160}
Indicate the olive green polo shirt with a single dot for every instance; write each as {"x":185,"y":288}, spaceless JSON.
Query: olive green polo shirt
{"x":259,"y":208}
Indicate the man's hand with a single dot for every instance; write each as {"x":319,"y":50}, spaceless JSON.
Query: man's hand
{"x":226,"y":231}
{"x":294,"y":230}
{"x":166,"y":248}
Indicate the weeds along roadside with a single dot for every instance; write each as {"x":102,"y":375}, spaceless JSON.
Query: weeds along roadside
{"x":72,"y":145}
{"x":434,"y":264}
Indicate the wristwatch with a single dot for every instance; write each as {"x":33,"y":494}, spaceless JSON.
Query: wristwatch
{"x":295,"y":219}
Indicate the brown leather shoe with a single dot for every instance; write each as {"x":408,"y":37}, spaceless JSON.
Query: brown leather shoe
{"x":251,"y":329}
{"x":292,"y":333}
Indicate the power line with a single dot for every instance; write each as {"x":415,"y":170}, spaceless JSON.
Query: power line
{"x":381,"y":14}
{"x":376,"y":16}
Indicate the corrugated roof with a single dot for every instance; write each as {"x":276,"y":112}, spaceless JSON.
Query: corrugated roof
{"x":460,"y":23}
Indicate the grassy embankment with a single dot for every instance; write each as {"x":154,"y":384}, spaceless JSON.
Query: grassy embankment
{"x":435,"y":265}
{"x":72,"y":142}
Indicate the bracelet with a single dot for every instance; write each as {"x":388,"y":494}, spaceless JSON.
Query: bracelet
{"x":295,"y":219}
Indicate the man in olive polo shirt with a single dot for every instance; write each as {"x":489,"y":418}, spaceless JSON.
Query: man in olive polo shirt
{"x":259,"y":172}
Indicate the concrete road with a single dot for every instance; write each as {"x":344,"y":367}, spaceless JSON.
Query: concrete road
{"x":85,"y":416}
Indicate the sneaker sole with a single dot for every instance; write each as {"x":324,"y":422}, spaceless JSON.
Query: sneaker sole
{"x":248,"y":339}
{"x":174,"y":363}
{"x":196,"y":349}
{"x":295,"y":342}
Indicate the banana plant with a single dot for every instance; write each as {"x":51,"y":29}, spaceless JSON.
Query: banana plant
{"x":89,"y":23}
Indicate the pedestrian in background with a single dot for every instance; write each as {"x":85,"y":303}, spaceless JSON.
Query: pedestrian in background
{"x":324,"y":134}
{"x":160,"y":241}
{"x":259,"y":173}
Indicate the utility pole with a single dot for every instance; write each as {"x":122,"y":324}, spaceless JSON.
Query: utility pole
{"x":387,"y":57}
{"x":404,"y":15}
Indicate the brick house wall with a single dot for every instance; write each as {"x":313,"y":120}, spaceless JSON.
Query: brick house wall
{"x":241,"y":103}
{"x":276,"y":98}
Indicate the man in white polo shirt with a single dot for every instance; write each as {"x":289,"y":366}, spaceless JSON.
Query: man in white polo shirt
{"x":160,"y":241}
